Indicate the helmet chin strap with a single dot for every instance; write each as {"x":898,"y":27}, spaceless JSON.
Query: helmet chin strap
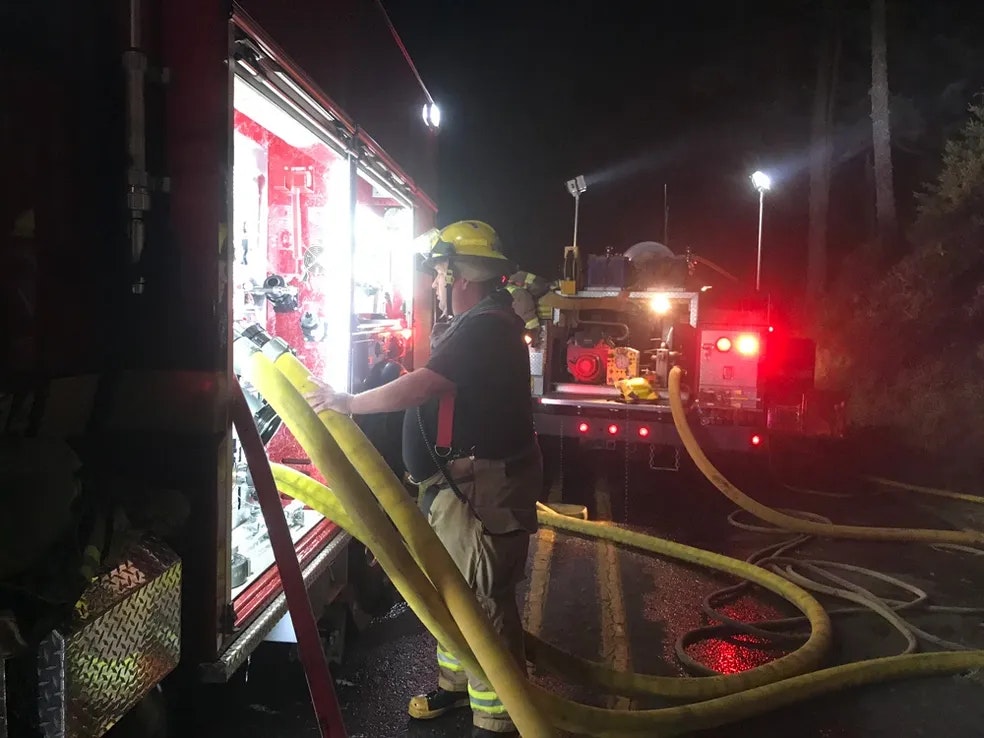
{"x":448,"y":289}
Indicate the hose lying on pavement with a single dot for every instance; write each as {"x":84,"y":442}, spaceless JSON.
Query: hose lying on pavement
{"x":367,"y":499}
{"x":814,"y":575}
{"x":818,"y":577}
{"x":933,"y":491}
{"x":791,"y":522}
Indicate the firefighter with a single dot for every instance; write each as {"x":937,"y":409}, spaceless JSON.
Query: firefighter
{"x":468,"y":442}
{"x":526,"y":289}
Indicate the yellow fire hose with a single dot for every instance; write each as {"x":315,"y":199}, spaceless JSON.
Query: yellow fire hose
{"x":422,"y":569}
{"x":790,"y":522}
{"x":932,"y":491}
{"x":367,"y":499}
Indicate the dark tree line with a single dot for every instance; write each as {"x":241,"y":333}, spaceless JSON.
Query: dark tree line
{"x":913,"y":83}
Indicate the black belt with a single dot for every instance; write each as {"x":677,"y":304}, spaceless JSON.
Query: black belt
{"x":512,"y":464}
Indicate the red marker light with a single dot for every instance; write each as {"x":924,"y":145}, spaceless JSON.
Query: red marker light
{"x":643,"y":432}
{"x":756,"y":440}
{"x":583,"y":428}
{"x":772,"y":329}
{"x":613,"y":430}
{"x":723,"y":344}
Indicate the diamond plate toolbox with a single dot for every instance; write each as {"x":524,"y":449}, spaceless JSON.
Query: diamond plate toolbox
{"x":123,"y":639}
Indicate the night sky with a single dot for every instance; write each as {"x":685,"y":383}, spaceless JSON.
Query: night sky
{"x":696,"y":96}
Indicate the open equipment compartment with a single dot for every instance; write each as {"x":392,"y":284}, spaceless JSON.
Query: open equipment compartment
{"x":322,"y":259}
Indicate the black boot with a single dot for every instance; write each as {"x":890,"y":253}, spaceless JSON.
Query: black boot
{"x":434,"y":704}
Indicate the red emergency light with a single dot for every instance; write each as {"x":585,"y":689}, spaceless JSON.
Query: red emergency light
{"x":756,"y":440}
{"x":643,"y":432}
{"x":723,"y":344}
{"x":583,"y":428}
{"x":613,"y":430}
{"x":748,"y":345}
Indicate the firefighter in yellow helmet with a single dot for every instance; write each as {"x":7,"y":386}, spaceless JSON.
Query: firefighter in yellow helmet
{"x":468,"y":442}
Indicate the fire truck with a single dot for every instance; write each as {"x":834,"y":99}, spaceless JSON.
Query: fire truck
{"x":601,"y":358}
{"x":184,"y":183}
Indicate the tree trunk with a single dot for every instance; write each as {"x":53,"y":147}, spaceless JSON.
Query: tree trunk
{"x":881,"y":134}
{"x":821,"y":151}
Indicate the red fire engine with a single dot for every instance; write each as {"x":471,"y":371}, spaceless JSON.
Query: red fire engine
{"x":183,"y":183}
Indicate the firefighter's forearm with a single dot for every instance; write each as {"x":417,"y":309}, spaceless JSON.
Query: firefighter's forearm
{"x":408,"y":391}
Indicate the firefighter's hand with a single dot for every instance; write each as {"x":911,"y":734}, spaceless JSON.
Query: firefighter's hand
{"x":326,"y":398}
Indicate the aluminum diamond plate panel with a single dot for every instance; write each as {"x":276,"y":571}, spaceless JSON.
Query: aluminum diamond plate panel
{"x":124,"y":638}
{"x":52,"y":696}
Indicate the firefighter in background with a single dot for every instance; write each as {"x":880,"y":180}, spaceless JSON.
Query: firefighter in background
{"x":527,"y":289}
{"x":468,"y":442}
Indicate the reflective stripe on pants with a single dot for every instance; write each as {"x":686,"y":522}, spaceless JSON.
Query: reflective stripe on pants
{"x":486,"y":702}
{"x":451,"y":674}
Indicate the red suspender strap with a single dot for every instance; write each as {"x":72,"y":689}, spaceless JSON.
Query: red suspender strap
{"x":445,"y":422}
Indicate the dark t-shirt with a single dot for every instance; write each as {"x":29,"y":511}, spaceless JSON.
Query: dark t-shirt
{"x":487,"y":360}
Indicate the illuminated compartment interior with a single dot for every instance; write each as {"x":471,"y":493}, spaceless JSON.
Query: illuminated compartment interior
{"x":383,"y":280}
{"x":294,"y":274}
{"x":383,"y":274}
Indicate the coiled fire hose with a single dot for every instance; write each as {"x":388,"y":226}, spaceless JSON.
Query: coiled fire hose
{"x":369,"y":501}
{"x":824,"y":577}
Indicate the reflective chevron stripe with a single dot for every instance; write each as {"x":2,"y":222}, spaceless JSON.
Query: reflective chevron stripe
{"x":487,"y":702}
{"x":447,"y":661}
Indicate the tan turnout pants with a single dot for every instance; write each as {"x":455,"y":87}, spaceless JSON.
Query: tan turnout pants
{"x":493,"y":564}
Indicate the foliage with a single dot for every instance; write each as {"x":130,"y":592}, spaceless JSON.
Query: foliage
{"x":906,"y":338}
{"x":960,"y":185}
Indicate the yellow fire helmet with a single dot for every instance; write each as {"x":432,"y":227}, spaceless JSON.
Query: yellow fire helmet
{"x":468,"y":243}
{"x":634,"y":389}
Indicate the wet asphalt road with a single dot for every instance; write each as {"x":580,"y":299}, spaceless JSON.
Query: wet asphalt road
{"x":627,"y":609}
